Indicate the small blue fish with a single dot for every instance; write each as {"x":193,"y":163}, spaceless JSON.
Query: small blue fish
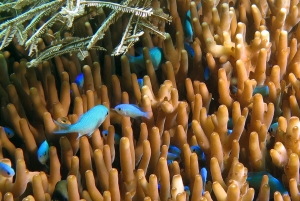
{"x":156,"y":55}
{"x":196,"y":149}
{"x":230,"y":123}
{"x":206,"y":73}
{"x":172,"y":156}
{"x":229,"y":131}
{"x":43,"y":152}
{"x":117,"y":137}
{"x":233,"y":89}
{"x":140,"y":82}
{"x":169,"y":162}
{"x":189,"y":49}
{"x":9,"y":132}
{"x":203,"y":173}
{"x":6,"y":170}
{"x":254,"y":179}
{"x":187,"y":190}
{"x":174,"y":150}
{"x":263,"y":90}
{"x":79,"y":80}
{"x":187,"y":26}
{"x":86,"y":124}
{"x":273,"y":129}
{"x":131,"y":110}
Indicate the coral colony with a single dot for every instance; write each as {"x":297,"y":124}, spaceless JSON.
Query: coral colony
{"x":170,"y":100}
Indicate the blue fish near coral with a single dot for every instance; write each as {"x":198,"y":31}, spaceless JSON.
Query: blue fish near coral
{"x":263,"y":90}
{"x":6,"y":170}
{"x":189,"y":49}
{"x":196,"y":149}
{"x":273,"y":128}
{"x":79,"y":80}
{"x":156,"y":55}
{"x":117,"y":137}
{"x":203,"y":173}
{"x":131,"y":110}
{"x":140,"y":82}
{"x":43,"y":152}
{"x":86,"y":124}
{"x":254,"y":179}
{"x":174,"y":150}
{"x":9,"y":132}
{"x":187,"y":26}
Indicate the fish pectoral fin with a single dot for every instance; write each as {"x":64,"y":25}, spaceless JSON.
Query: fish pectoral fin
{"x":90,"y":134}
{"x":79,"y":136}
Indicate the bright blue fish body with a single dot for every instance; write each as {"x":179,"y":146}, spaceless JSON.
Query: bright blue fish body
{"x":87,"y":123}
{"x":203,"y":173}
{"x":255,"y":178}
{"x":273,"y":128}
{"x":174,"y":150}
{"x":189,"y":49}
{"x":229,"y":131}
{"x":43,"y":152}
{"x":156,"y":56}
{"x":263,"y":90}
{"x":130,"y":110}
{"x":6,"y":170}
{"x":206,"y":73}
{"x":9,"y":132}
{"x":140,"y":82}
{"x":117,"y":137}
{"x":187,"y":26}
{"x":187,"y":190}
{"x":196,"y":149}
{"x":79,"y":80}
{"x":172,"y":156}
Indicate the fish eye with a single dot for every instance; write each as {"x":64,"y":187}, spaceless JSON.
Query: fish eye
{"x":106,"y":113}
{"x":8,"y":173}
{"x":119,"y":109}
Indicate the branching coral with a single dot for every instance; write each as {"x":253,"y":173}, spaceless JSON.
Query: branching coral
{"x":226,"y":97}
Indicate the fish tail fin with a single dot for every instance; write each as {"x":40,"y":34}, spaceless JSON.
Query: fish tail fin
{"x":147,"y":115}
{"x":79,"y":136}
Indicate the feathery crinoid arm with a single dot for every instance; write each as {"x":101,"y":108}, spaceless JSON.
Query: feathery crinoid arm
{"x":131,"y":35}
{"x":65,"y":46}
{"x":142,"y":12}
{"x":128,"y":39}
{"x":42,"y":30}
{"x":112,"y":17}
{"x":29,"y":14}
{"x":14,"y":26}
{"x":7,"y":6}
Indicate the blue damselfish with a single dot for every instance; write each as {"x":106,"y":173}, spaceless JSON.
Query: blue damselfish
{"x":156,"y":56}
{"x":43,"y":152}
{"x":86,"y":124}
{"x":6,"y":170}
{"x":131,"y":110}
{"x":255,"y":178}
